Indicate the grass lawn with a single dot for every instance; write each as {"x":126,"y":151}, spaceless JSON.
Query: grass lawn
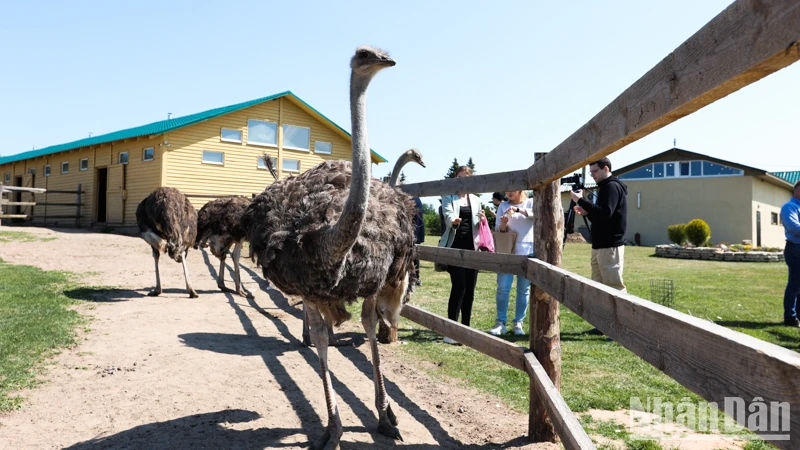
{"x":21,"y":236}
{"x":746,"y":297}
{"x":35,"y":321}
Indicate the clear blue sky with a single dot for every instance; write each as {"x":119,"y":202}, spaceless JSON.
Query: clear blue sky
{"x":495,"y":82}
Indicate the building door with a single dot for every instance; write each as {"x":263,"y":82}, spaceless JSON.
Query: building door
{"x":102,"y":191}
{"x":115,"y":203}
{"x":758,"y":228}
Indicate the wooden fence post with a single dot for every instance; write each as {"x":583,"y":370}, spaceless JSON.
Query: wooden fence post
{"x":545,"y":320}
{"x":78,"y":211}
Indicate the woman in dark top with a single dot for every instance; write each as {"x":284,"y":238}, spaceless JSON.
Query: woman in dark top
{"x":463,"y":213}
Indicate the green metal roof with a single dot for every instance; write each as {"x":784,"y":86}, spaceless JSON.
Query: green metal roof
{"x":791,"y":177}
{"x":164,"y":126}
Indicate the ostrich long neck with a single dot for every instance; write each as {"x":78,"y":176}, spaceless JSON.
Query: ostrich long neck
{"x":344,"y":233}
{"x":398,"y":166}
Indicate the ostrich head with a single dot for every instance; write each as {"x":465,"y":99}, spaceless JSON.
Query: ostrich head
{"x":369,"y":60}
{"x":413,"y":155}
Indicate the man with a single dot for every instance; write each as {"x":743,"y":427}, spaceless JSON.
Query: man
{"x":790,"y":215}
{"x":608,"y":217}
{"x":419,"y":232}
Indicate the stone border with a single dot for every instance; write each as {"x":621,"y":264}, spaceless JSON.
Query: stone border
{"x":716,"y":254}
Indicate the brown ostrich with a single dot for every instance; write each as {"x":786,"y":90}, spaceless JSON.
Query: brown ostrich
{"x":332,"y":235}
{"x":168,"y":222}
{"x":218,"y":227}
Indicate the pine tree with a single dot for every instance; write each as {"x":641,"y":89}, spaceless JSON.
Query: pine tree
{"x":471,"y":165}
{"x":451,"y":172}
{"x":402,"y":177}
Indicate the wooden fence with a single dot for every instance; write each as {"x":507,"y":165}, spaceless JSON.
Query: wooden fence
{"x":77,"y":204}
{"x":746,"y":42}
{"x":5,"y":202}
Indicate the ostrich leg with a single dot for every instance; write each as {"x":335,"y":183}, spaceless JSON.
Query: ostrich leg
{"x":237,"y":253}
{"x":192,"y":293}
{"x":387,"y":421}
{"x":157,"y":291}
{"x":330,"y":440}
{"x":221,"y":274}
{"x":332,"y":340}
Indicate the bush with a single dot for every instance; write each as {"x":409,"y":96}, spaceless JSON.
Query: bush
{"x":432,"y":225}
{"x":697,"y":232}
{"x":677,"y":233}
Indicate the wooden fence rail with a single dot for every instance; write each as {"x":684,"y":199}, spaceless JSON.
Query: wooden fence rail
{"x":5,"y":202}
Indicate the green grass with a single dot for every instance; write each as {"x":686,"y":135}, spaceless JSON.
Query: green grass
{"x":596,"y":373}
{"x":35,"y":321}
{"x":21,"y":236}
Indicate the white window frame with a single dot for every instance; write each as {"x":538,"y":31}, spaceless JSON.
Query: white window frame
{"x":678,"y":171}
{"x":127,"y":158}
{"x":215,"y":163}
{"x":260,"y":144}
{"x":300,"y":149}
{"x":222,"y":139}
{"x":323,"y":153}
{"x":62,"y":167}
{"x":777,"y":217}
{"x":47,"y":170}
{"x":283,"y":164}
{"x":80,"y":165}
{"x":7,"y":177}
{"x":144,"y":154}
{"x":260,"y":165}
{"x":32,"y":171}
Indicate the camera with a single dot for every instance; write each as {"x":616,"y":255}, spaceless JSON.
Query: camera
{"x":569,"y":214}
{"x":574,"y":180}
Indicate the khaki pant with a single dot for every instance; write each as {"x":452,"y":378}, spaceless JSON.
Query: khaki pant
{"x":607,"y":266}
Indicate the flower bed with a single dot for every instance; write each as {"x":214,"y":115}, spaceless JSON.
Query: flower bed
{"x":716,"y":254}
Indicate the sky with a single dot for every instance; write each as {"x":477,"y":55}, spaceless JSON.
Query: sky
{"x":494,"y":82}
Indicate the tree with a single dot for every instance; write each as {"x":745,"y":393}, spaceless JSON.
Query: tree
{"x":471,"y":165}
{"x":402,"y":177}
{"x":451,"y":172}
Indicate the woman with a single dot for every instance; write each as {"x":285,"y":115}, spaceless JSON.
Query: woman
{"x":497,"y":199}
{"x":462,"y":215}
{"x":514,"y":215}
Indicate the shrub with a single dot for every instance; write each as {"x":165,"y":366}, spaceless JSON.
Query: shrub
{"x":697,"y":232}
{"x":432,"y":225}
{"x":677,"y":233}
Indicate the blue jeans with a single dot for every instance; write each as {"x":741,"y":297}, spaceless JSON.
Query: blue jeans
{"x":504,"y":281}
{"x":792,"y":255}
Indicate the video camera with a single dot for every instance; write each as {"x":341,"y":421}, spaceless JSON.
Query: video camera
{"x":569,"y":215}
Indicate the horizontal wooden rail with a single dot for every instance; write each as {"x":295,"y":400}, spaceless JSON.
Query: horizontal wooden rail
{"x":59,"y":204}
{"x":569,"y":429}
{"x":511,"y":264}
{"x":48,"y":217}
{"x":4,"y":188}
{"x":13,"y":216}
{"x":493,"y":182}
{"x":495,"y":347}
{"x":7,"y":203}
{"x":66,"y":192}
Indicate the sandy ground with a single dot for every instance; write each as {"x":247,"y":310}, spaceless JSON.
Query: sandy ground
{"x":219,"y":371}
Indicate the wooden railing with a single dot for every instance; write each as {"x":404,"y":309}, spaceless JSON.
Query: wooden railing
{"x":78,"y":204}
{"x":744,"y":43}
{"x":5,"y":203}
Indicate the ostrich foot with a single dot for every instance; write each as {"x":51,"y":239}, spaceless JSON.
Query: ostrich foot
{"x":154,"y":293}
{"x":222,"y":287}
{"x":338,"y":342}
{"x":387,"y":429}
{"x":244,"y":294}
{"x":326,"y":442}
{"x":193,"y":294}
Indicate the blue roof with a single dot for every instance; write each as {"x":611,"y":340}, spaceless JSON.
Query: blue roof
{"x":791,"y":177}
{"x":164,"y":126}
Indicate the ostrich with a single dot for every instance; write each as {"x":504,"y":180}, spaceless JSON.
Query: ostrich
{"x":168,"y":222}
{"x":331,"y":235}
{"x":408,"y":156}
{"x":218,"y":224}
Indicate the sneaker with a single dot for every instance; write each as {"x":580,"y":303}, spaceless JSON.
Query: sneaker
{"x":793,"y":322}
{"x":447,"y":340}
{"x":518,"y":331}
{"x":498,"y":329}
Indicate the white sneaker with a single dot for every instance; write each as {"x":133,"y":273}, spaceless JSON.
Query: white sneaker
{"x":499,"y":328}
{"x":518,"y":331}
{"x":447,"y":340}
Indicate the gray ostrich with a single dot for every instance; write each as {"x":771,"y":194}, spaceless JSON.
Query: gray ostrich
{"x":218,"y":227}
{"x":168,"y":222}
{"x":410,"y":155}
{"x":332,"y":235}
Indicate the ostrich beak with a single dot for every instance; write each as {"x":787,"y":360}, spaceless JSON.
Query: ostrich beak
{"x":421,"y":163}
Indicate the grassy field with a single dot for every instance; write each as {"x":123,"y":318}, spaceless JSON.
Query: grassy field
{"x":35,"y":321}
{"x":747,"y":297}
{"x":21,"y":236}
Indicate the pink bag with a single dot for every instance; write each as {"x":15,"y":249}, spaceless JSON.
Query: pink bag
{"x":485,"y":238}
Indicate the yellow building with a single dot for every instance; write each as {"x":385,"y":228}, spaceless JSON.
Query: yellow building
{"x":738,"y":202}
{"x":206,"y":155}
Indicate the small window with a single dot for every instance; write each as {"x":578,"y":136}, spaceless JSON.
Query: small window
{"x":84,"y":165}
{"x":291,"y":165}
{"x":710,"y":169}
{"x":696,"y":168}
{"x":64,"y":167}
{"x":684,"y":169}
{"x":210,"y":157}
{"x":670,"y":169}
{"x":123,"y":158}
{"x":642,"y":172}
{"x":148,"y":154}
{"x":296,"y":137}
{"x":47,"y":170}
{"x":774,"y":218}
{"x":325,"y":148}
{"x":229,"y":135}
{"x":262,"y":165}
{"x":7,"y":178}
{"x":32,"y":171}
{"x":658,"y":170}
{"x":261,"y":132}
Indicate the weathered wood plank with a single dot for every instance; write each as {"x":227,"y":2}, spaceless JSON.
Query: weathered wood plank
{"x":493,"y":182}
{"x":56,"y":204}
{"x":485,"y":343}
{"x":566,"y":424}
{"x":13,"y":216}
{"x":21,"y":189}
{"x":513,"y":264}
{"x":744,"y":43}
{"x":7,"y":203}
{"x":709,"y":359}
{"x":63,"y":192}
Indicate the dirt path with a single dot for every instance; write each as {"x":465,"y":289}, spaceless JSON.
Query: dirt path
{"x":219,"y":371}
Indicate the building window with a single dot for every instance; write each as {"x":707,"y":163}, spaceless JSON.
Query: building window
{"x":64,"y":167}
{"x":7,"y":178}
{"x":324,"y":148}
{"x":47,"y":170}
{"x":263,"y":165}
{"x":774,"y":218}
{"x":670,"y":169}
{"x":84,"y":164}
{"x":261,"y":132}
{"x":697,"y":167}
{"x":210,"y":157}
{"x":291,"y":165}
{"x":684,"y":169}
{"x":148,"y":154}
{"x":32,"y":171}
{"x":123,"y":158}
{"x":298,"y":138}
{"x":645,"y":171}
{"x":712,"y":169}
{"x":229,"y":135}
{"x":658,"y":170}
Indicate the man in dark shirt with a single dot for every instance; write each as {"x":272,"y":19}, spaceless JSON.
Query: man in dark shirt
{"x":419,"y":232}
{"x":608,"y":216}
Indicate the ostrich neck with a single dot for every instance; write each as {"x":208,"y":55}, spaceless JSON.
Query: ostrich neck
{"x":397,"y":167}
{"x":346,"y":230}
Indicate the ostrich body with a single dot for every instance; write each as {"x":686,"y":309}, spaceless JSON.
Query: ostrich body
{"x":219,"y":227}
{"x":332,"y":235}
{"x":168,"y":222}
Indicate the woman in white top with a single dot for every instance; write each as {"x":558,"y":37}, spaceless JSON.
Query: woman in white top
{"x":514,"y":215}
